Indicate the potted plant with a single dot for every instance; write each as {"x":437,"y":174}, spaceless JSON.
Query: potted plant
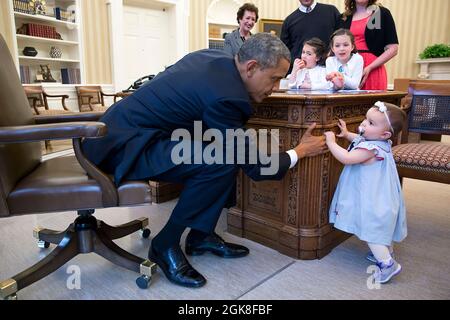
{"x":435,"y":62}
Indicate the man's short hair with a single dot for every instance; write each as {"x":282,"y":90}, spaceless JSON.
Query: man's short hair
{"x":265,"y":48}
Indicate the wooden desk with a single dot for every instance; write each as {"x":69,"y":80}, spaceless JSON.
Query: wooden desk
{"x":291,"y":215}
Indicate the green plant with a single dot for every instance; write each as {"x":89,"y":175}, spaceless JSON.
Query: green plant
{"x":436,"y":51}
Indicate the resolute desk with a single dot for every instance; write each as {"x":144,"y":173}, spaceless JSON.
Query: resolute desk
{"x":291,"y":215}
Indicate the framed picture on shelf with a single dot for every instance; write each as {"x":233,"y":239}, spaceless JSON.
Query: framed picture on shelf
{"x":270,"y":26}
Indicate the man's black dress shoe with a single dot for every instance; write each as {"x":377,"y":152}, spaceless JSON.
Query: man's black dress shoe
{"x":216,"y":245}
{"x":176,"y":267}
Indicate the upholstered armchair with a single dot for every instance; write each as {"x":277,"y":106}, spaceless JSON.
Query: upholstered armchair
{"x":92,"y":98}
{"x":38,"y":99}
{"x":428,"y":112}
{"x":29,"y":185}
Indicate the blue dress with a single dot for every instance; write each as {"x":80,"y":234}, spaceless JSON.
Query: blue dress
{"x":368,"y":201}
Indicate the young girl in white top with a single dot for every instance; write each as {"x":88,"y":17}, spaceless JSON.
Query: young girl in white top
{"x":344,"y":66}
{"x":308,"y":72}
{"x":368,"y":200}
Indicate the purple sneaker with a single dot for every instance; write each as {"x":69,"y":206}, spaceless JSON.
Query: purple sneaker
{"x":385,"y":272}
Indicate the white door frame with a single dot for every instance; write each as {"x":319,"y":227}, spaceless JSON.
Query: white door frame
{"x":116,"y":31}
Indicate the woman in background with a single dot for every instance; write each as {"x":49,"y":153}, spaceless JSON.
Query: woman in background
{"x":247,"y":16}
{"x":375,"y":37}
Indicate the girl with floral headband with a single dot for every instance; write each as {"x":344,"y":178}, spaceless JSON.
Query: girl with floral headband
{"x":368,"y":201}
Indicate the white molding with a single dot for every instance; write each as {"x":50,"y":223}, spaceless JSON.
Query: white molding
{"x":116,"y":31}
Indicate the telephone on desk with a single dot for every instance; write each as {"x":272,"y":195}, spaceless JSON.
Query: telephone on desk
{"x":138,"y":83}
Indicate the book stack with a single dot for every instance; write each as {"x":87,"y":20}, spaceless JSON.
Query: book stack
{"x":23,"y":6}
{"x":70,"y":76}
{"x":42,"y":31}
{"x":216,"y":44}
{"x":25,"y":74}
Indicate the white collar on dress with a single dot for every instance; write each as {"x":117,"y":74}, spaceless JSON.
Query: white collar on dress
{"x":303,"y":9}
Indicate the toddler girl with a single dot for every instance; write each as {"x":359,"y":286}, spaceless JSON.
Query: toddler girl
{"x":344,"y":66}
{"x":309,"y":72}
{"x":368,"y":201}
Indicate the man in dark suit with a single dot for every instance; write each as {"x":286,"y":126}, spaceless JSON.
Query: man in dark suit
{"x":208,"y":86}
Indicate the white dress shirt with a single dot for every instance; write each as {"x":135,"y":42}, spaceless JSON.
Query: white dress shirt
{"x":304,"y":9}
{"x":352,"y":70}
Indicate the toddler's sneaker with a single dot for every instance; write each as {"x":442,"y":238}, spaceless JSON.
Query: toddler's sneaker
{"x":385,"y":272}
{"x":372,"y":258}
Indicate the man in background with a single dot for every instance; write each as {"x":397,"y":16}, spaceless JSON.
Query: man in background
{"x":311,"y":19}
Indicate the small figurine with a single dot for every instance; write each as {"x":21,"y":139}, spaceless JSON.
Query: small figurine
{"x":44,"y":75}
{"x":38,"y":6}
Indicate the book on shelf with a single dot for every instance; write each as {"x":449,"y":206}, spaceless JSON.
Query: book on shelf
{"x":70,"y":76}
{"x":23,"y":6}
{"x":25,"y":74}
{"x":64,"y":15}
{"x":216,"y":44}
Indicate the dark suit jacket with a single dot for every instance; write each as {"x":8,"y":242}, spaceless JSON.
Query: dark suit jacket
{"x":203,"y":86}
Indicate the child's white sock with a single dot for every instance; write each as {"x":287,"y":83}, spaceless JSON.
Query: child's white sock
{"x":380,"y":252}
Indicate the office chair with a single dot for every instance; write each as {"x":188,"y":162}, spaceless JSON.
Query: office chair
{"x":29,"y":185}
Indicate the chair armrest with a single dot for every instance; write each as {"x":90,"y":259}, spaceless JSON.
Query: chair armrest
{"x":110,"y":95}
{"x":69,"y":117}
{"x":62,"y":96}
{"x":35,"y":100}
{"x":69,"y":130}
{"x":56,"y":95}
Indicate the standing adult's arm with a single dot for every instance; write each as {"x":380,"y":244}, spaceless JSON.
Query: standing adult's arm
{"x":391,"y":45}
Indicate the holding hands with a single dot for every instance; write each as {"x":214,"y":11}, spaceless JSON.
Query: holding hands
{"x":330,"y":137}
{"x":310,"y":145}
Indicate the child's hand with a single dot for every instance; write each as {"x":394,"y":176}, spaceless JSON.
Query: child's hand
{"x":329,"y":137}
{"x":343,"y":126}
{"x":338,"y":82}
{"x":331,"y":75}
{"x":298,"y":64}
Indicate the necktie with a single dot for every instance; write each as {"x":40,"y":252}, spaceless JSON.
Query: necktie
{"x":341,"y":69}
{"x":308,"y":9}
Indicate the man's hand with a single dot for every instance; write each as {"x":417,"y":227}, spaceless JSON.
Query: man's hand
{"x":310,"y":145}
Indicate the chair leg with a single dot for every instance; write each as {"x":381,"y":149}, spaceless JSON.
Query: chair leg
{"x":106,"y":248}
{"x":51,"y":236}
{"x":65,"y":251}
{"x":116,"y":232}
